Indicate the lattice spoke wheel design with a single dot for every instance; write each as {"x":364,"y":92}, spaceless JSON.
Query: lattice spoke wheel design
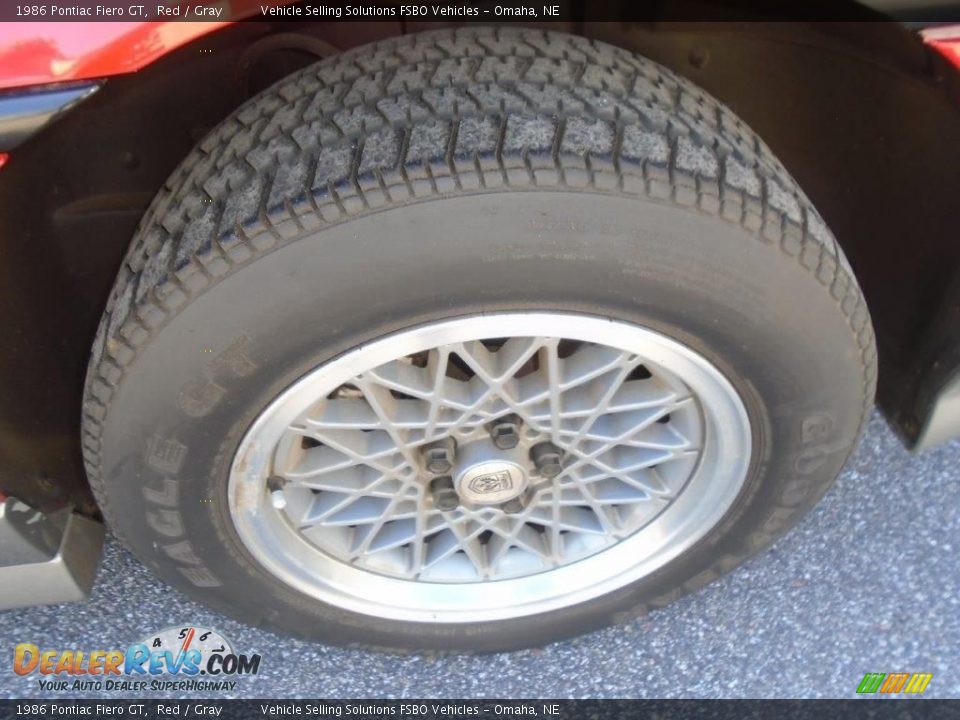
{"x":330,"y":488}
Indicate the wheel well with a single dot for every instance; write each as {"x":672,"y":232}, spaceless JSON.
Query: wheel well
{"x":865,"y":117}
{"x":858,"y":114}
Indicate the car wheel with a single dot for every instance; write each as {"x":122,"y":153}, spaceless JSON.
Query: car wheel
{"x":472,"y":339}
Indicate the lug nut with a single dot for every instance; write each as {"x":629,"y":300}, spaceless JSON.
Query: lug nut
{"x":512,"y":507}
{"x":444,"y":496}
{"x":275,"y":485}
{"x":438,"y":456}
{"x":505,"y":432}
{"x":548,"y":458}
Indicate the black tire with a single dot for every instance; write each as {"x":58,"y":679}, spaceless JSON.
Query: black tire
{"x":439,"y":175}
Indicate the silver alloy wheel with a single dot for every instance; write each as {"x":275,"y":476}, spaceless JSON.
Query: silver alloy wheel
{"x":329,"y":489}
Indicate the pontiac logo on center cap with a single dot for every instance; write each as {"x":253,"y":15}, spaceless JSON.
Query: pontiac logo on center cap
{"x":494,"y":482}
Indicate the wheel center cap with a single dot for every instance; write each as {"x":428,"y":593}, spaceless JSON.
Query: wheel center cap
{"x":491,"y":482}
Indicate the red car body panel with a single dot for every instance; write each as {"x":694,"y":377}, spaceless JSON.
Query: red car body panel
{"x":40,"y":53}
{"x":945,"y":40}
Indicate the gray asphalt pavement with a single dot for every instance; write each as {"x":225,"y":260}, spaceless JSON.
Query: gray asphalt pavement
{"x":868,"y":582}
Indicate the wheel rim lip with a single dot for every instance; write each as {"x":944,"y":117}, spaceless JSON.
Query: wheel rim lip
{"x":717,"y":480}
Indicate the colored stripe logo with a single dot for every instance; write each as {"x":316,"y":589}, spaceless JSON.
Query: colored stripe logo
{"x":894,"y":683}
